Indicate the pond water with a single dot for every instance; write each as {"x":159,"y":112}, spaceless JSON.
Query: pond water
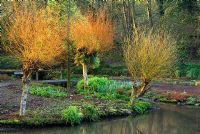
{"x":169,"y":119}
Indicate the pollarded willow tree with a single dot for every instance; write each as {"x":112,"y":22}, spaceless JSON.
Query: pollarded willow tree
{"x":148,"y":55}
{"x":35,"y":37}
{"x":91,"y":35}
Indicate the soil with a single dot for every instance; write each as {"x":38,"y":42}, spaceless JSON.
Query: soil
{"x":10,"y":93}
{"x":191,"y":90}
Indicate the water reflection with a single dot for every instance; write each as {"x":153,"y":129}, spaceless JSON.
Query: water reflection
{"x":168,"y":119}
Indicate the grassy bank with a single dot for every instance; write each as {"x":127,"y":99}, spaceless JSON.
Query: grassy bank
{"x":104,"y":98}
{"x":52,"y":105}
{"x":74,"y":113}
{"x":57,"y":114}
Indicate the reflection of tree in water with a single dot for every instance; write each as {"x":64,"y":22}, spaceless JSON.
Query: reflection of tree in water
{"x":173,"y":120}
{"x":168,"y":120}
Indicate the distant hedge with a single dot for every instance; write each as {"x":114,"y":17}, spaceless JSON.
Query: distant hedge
{"x":188,"y":70}
{"x":7,"y":62}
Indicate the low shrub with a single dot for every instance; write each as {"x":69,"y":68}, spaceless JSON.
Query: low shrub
{"x":103,"y":88}
{"x":90,"y":112}
{"x":97,"y":84}
{"x":72,"y":115}
{"x":103,"y":85}
{"x":191,"y":101}
{"x":47,"y":91}
{"x":141,"y":106}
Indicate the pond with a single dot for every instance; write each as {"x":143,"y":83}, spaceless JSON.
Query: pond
{"x":168,"y":119}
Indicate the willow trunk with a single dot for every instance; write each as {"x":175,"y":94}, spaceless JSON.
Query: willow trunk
{"x":137,"y":92}
{"x":85,"y":76}
{"x":25,"y":90}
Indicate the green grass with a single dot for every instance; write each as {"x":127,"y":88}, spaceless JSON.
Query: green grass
{"x":103,"y":88}
{"x":68,"y":113}
{"x":10,"y":122}
{"x":90,"y":112}
{"x":72,"y":115}
{"x":47,"y":90}
{"x":113,"y":96}
{"x":191,"y":100}
{"x":95,"y":84}
{"x":106,"y":89}
{"x":141,"y":106}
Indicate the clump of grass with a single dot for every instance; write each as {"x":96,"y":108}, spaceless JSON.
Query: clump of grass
{"x":95,"y":84}
{"x":141,"y":106}
{"x":47,"y":91}
{"x":72,"y":115}
{"x":106,"y":89}
{"x":90,"y":112}
{"x":103,"y":85}
{"x":191,"y":100}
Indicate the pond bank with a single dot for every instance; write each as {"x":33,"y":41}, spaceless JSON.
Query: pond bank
{"x":49,"y":111}
{"x":174,"y":97}
{"x":42,"y":118}
{"x":53,"y":114}
{"x":167,"y":119}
